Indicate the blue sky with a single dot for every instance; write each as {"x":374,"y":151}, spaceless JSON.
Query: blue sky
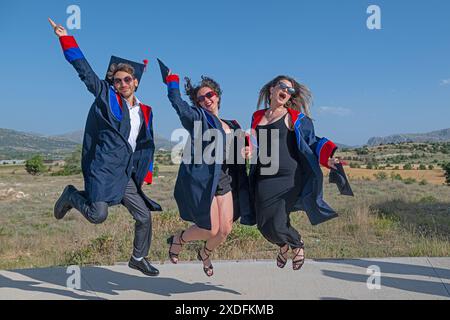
{"x":365,"y":82}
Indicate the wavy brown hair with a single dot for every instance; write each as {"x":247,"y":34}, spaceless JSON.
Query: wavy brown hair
{"x":191,"y":91}
{"x":301,"y":100}
{"x":116,"y":67}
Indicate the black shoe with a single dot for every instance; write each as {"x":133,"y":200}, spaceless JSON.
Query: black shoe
{"x":143,"y":266}
{"x":63,"y":205}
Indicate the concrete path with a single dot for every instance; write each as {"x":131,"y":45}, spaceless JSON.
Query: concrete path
{"x":401,"y":278}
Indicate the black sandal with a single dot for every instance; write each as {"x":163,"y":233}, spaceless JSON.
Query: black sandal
{"x":298,"y":263}
{"x":281,"y":260}
{"x":173,"y":255}
{"x":207,"y":270}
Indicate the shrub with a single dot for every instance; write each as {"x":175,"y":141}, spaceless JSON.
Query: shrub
{"x":155,"y":170}
{"x":72,"y":164}
{"x":430,"y":167}
{"x":407,"y":166}
{"x":428,"y":199}
{"x":396,"y":176}
{"x":35,"y":165}
{"x":380,"y":176}
{"x":422,"y":167}
{"x":446,"y":167}
{"x":423,"y":182}
{"x":409,"y":180}
{"x":362,"y":151}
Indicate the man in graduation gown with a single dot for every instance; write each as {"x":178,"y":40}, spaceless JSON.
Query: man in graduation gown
{"x":118,"y":149}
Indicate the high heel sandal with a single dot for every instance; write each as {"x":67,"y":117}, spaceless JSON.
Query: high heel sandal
{"x":172,"y":255}
{"x":281,"y":260}
{"x":298,"y":263}
{"x":207,"y":270}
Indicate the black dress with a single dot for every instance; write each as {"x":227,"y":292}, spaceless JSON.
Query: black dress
{"x":277,"y":193}
{"x":224,"y":185}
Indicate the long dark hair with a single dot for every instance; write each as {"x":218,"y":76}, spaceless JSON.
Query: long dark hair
{"x":191,"y":91}
{"x":301,"y":100}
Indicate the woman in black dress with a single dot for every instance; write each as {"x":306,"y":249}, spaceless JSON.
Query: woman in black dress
{"x":292,"y":180}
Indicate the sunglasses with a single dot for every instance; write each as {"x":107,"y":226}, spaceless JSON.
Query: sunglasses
{"x":127,"y":80}
{"x":208,"y":95}
{"x":283,"y":86}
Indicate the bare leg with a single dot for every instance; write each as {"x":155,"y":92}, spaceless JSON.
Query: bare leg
{"x":221,"y":226}
{"x":196,"y":233}
{"x":282,"y":256}
{"x":225,"y":204}
{"x":298,"y":258}
{"x":225,"y":216}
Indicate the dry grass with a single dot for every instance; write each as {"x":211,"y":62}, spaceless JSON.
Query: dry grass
{"x":435,"y":176}
{"x":385,"y":218}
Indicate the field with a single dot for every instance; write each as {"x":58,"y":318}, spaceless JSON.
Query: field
{"x":435,"y":176}
{"x":387,"y":217}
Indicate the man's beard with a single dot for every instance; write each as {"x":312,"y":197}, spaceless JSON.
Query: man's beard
{"x":132,"y":90}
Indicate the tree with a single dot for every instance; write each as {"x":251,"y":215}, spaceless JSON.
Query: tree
{"x":155,"y":170}
{"x":72,"y":164}
{"x":35,"y":165}
{"x":407,"y":166}
{"x":446,"y":167}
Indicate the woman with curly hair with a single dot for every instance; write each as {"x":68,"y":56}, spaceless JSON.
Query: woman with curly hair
{"x":212,"y":196}
{"x":297,"y":183}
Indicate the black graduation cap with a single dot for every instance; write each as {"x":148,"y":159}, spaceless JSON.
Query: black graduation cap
{"x":338,"y":176}
{"x":164,"y":70}
{"x":139,"y":68}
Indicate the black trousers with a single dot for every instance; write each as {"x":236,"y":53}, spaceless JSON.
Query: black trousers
{"x":97,"y":212}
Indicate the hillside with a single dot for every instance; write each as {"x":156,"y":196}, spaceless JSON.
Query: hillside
{"x":434,"y":136}
{"x":77,"y":137}
{"x":400,"y":154}
{"x":21,"y":145}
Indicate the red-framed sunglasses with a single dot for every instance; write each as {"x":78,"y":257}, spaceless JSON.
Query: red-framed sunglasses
{"x":208,"y":95}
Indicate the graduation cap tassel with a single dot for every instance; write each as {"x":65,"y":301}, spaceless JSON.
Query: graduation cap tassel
{"x":145,"y":64}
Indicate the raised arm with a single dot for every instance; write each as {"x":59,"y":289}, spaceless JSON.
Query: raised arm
{"x":187,"y":113}
{"x":76,"y":58}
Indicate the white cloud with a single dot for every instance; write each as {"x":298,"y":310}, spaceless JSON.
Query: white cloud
{"x":337,"y":111}
{"x":445,"y":82}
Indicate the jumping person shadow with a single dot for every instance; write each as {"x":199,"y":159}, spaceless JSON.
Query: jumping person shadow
{"x":423,"y":269}
{"x":37,"y":289}
{"x":103,"y":281}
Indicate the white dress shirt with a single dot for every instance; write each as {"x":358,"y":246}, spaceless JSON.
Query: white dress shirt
{"x":136,"y":119}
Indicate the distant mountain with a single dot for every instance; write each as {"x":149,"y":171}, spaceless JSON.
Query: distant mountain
{"x":434,"y":136}
{"x":22,"y":145}
{"x":344,"y":146}
{"x":74,"y":136}
{"x":163,"y":143}
{"x":77,"y":137}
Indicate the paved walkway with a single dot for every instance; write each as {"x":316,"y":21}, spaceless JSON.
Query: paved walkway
{"x":401,"y":278}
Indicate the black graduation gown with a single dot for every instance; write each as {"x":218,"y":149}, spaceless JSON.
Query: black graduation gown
{"x":108,"y":160}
